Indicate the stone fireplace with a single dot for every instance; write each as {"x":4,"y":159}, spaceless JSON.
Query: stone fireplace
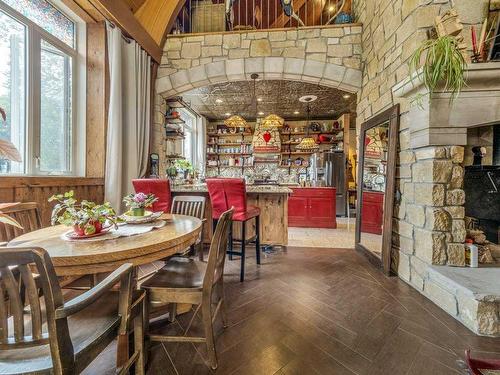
{"x":429,"y":218}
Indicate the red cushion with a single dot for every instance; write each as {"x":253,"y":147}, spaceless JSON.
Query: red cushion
{"x":226,"y":193}
{"x":252,"y":211}
{"x":159,"y":187}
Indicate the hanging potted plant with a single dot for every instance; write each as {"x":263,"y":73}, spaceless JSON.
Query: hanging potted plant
{"x":137,"y":203}
{"x":443,"y":66}
{"x":87,"y":218}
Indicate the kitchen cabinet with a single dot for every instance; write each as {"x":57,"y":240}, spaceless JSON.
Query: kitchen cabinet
{"x":312,"y":208}
{"x":372,"y":212}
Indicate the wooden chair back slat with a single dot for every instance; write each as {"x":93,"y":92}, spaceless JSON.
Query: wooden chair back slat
{"x":27,"y":214}
{"x":189,"y":205}
{"x":31,"y":291}
{"x":217,"y":252}
{"x":15,"y":301}
{"x":4,"y":334}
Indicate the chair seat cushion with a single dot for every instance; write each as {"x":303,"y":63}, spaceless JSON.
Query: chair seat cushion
{"x":251,"y":212}
{"x":95,"y":322}
{"x":178,"y":273}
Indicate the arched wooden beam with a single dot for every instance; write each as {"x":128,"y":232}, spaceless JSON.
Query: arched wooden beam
{"x":158,"y":17}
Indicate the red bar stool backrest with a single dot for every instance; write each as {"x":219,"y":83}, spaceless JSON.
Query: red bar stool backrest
{"x":226,"y":193}
{"x":159,"y":187}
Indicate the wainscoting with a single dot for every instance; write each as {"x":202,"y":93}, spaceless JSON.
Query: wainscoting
{"x":39,"y":189}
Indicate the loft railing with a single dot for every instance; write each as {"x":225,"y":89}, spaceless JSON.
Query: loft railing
{"x":204,"y":16}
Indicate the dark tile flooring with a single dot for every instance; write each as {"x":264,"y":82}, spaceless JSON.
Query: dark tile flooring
{"x":321,"y":311}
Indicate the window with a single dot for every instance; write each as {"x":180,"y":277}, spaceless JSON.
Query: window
{"x":40,"y":81}
{"x":189,"y":142}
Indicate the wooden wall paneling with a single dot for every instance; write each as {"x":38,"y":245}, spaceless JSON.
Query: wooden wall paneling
{"x":39,"y":189}
{"x":97,"y":99}
{"x":158,"y":17}
{"x":118,"y":12}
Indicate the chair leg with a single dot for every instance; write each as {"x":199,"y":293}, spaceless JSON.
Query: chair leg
{"x":231,"y":242}
{"x":172,"y":311}
{"x":222,"y":296}
{"x":200,"y":251}
{"x":139,"y":343}
{"x":209,"y":333}
{"x":243,"y":243}
{"x":257,"y":238}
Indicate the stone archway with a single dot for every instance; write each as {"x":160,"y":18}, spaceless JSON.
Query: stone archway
{"x":329,"y":56}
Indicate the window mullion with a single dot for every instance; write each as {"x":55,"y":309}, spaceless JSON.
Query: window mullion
{"x":34,"y":100}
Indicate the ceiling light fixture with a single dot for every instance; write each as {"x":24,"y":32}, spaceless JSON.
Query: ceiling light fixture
{"x":296,"y":112}
{"x":308,"y":143}
{"x":261,"y":113}
{"x":273,"y":121}
{"x":346,"y":96}
{"x":227,"y":114}
{"x":235,"y":122}
{"x":259,"y":99}
{"x":218,"y":100}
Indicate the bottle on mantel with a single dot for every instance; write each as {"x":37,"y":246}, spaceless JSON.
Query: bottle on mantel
{"x":471,"y":254}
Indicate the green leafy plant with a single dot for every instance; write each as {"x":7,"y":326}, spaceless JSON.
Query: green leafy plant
{"x":444,"y":64}
{"x":86,"y":216}
{"x":139,"y":200}
{"x":183,"y":165}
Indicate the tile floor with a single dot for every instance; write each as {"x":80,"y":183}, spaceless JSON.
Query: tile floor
{"x":320,"y":311}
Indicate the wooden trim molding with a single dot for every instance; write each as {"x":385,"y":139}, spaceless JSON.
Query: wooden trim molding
{"x":118,"y":12}
{"x":38,"y":181}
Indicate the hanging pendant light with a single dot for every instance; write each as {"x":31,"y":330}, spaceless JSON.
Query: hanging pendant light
{"x":235,"y":121}
{"x":307,"y":143}
{"x":273,"y":121}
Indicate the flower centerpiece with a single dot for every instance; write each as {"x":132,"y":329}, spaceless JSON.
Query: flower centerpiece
{"x":137,"y":203}
{"x":87,"y":218}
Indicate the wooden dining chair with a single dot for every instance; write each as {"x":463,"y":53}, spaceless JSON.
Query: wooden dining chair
{"x":185,"y":280}
{"x":54,"y":336}
{"x":191,"y":206}
{"x":27,"y":214}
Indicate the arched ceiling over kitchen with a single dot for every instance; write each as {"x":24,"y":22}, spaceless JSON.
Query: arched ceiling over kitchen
{"x":280,"y":97}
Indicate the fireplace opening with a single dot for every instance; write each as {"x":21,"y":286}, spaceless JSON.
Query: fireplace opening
{"x":482,"y":191}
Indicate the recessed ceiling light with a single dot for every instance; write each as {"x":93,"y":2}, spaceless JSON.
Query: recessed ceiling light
{"x":227,"y":114}
{"x":261,"y":113}
{"x":259,"y":99}
{"x":331,"y":9}
{"x":218,"y":100}
{"x":296,"y":112}
{"x":346,"y":96}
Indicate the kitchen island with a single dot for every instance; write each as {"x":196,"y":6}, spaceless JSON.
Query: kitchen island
{"x":272,"y":201}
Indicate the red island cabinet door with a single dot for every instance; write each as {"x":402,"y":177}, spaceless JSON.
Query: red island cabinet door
{"x":372,"y":212}
{"x":297,"y":210}
{"x":312,"y":208}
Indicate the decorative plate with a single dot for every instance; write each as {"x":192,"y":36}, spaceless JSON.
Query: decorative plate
{"x":73,"y":236}
{"x":147,"y":218}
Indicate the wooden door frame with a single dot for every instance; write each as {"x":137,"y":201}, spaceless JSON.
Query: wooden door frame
{"x":391,"y":115}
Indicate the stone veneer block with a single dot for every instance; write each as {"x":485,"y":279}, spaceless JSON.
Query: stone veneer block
{"x":216,"y":71}
{"x":260,"y":47}
{"x":430,"y":246}
{"x":273,"y":67}
{"x":231,"y":41}
{"x":163,"y":84}
{"x":334,"y":72}
{"x":353,"y":77}
{"x":293,"y":67}
{"x":314,"y":69}
{"x":180,"y":80}
{"x":191,"y":50}
{"x":235,"y":69}
{"x":254,"y":65}
{"x":429,"y":194}
{"x":198,"y":76}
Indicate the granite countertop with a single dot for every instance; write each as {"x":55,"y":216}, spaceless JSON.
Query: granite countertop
{"x":202,"y":188}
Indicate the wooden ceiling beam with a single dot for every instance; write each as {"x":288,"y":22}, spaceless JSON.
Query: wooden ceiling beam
{"x":158,"y":17}
{"x":119,"y":13}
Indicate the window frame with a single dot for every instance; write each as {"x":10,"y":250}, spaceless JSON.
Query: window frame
{"x":34,"y":36}
{"x":192,"y":129}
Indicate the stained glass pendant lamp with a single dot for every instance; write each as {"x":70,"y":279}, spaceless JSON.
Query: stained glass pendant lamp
{"x":272,"y":121}
{"x":235,"y":121}
{"x":307,"y":143}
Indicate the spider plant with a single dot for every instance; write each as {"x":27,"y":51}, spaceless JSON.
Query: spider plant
{"x":444,"y":64}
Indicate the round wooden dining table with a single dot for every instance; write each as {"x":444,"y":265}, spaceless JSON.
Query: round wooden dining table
{"x":73,"y":258}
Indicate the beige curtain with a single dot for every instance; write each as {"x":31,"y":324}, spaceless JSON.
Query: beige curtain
{"x":128,"y":116}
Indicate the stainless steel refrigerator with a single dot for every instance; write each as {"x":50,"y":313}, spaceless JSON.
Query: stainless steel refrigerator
{"x":334,"y":175}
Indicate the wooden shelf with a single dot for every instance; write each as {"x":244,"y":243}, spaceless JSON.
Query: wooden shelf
{"x":174,"y":157}
{"x":293,"y":166}
{"x":228,"y":134}
{"x":176,"y":102}
{"x":228,"y":144}
{"x":229,"y":166}
{"x":174,"y":120}
{"x":298,"y":153}
{"x":229,"y":153}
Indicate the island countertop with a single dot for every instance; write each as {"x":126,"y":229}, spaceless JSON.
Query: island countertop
{"x":272,"y":201}
{"x":202,"y":188}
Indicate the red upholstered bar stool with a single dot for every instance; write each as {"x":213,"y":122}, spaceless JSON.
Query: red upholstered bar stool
{"x":157,"y":186}
{"x":231,"y":192}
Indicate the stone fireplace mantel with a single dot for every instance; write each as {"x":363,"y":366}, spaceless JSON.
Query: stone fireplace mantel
{"x":439,"y":122}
